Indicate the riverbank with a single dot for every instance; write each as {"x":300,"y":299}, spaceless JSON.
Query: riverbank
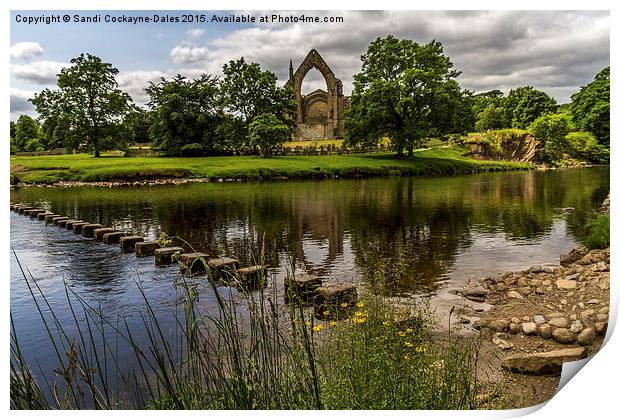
{"x":82,"y":168}
{"x":539,"y":318}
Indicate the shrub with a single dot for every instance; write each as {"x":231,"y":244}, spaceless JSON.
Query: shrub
{"x":584,"y":146}
{"x":193,"y":150}
{"x":597,"y":232}
{"x":34,"y":145}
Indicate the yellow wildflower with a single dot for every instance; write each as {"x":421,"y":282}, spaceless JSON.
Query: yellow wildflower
{"x":308,"y":323}
{"x":359,"y":320}
{"x":420,"y":349}
{"x":344,"y":305}
{"x":317,"y":328}
{"x":333,"y":323}
{"x":326,"y":312}
{"x":408,"y":344}
{"x":409,"y":330}
{"x":406,"y":357}
{"x":360,"y":304}
{"x":386,"y":322}
{"x":401,"y":333}
{"x":358,"y":314}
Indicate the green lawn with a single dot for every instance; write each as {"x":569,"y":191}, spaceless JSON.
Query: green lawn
{"x":81,"y":167}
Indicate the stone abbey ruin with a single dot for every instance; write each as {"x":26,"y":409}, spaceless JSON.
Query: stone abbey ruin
{"x":320,"y":114}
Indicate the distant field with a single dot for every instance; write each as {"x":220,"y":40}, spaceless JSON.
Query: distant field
{"x":81,"y":167}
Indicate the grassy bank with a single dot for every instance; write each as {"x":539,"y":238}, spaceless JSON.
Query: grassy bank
{"x":81,"y":167}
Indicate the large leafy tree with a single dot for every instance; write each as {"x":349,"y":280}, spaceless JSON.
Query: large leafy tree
{"x":183,"y":112}
{"x":524,"y":105}
{"x":89,"y":101}
{"x":26,"y":130}
{"x":590,"y":107}
{"x":406,"y":91}
{"x":247,"y":92}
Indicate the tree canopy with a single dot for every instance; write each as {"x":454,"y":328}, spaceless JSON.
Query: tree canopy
{"x":590,"y":107}
{"x":525,"y":104}
{"x":88,"y":100}
{"x":406,"y":91}
{"x":184,"y":112}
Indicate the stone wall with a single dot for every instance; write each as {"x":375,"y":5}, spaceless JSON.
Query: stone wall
{"x":311,"y":132}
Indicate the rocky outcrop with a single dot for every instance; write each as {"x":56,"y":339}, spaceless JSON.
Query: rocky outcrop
{"x":546,"y":363}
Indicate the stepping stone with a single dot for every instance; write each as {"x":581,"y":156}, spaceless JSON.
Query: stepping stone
{"x":223,"y":267}
{"x":49,"y":217}
{"x":55,"y":220}
{"x":334,"y":300}
{"x":35,"y":212}
{"x":145,"y":249}
{"x":77,"y":226}
{"x":98,"y":233}
{"x":546,"y":363}
{"x":69,"y":223}
{"x":41,"y":216}
{"x":252,"y":277}
{"x":22,"y":209}
{"x":301,"y":286}
{"x":128,"y":243}
{"x":113,"y":237}
{"x":192,"y":264}
{"x":163,"y":256}
{"x":87,"y":230}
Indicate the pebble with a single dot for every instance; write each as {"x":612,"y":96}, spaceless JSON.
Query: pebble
{"x":600,"y":327}
{"x":529,"y":328}
{"x":576,"y":327}
{"x":515,"y":320}
{"x":593,"y":302}
{"x":604,"y":310}
{"x":544,"y":330}
{"x":539,"y":319}
{"x":546,"y":283}
{"x":587,"y":336}
{"x":573,"y":277}
{"x":522,"y":282}
{"x":587,"y":313}
{"x":514,"y":295}
{"x":502,"y":344}
{"x":565,"y":284}
{"x":514,"y":328}
{"x":564,"y":302}
{"x":602,"y":317}
{"x":499,"y":325}
{"x":563,"y":336}
{"x":524,"y":291}
{"x":558,"y":322}
{"x":555,"y":315}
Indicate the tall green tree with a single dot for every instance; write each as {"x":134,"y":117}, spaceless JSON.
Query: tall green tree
{"x":183,"y":112}
{"x":247,"y":92}
{"x":26,"y":130}
{"x":404,"y":91}
{"x":590,"y":107}
{"x":525,"y":104}
{"x":89,"y":100}
{"x":491,"y":118}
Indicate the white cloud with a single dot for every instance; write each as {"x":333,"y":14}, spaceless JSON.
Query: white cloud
{"x":557,"y":51}
{"x":39,"y":72}
{"x":19,"y":103}
{"x":25,"y":50}
{"x":195,"y":33}
{"x":186,"y":54}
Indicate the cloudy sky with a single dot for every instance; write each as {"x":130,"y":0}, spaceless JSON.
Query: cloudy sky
{"x":556,"y":51}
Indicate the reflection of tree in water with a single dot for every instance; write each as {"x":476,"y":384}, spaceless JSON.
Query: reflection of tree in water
{"x":411,"y":256}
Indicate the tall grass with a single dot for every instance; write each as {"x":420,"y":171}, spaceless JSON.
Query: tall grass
{"x":263,"y":354}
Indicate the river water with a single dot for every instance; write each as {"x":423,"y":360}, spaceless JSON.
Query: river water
{"x":402,"y":235}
